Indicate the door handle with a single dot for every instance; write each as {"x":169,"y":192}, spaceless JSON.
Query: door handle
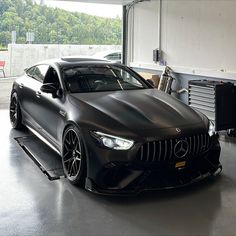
{"x":21,"y":85}
{"x":38,"y":94}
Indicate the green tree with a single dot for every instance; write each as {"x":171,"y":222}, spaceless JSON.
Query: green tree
{"x":55,"y":25}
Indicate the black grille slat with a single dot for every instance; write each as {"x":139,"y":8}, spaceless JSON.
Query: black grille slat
{"x":171,"y":149}
{"x":190,"y":145}
{"x":163,"y":150}
{"x":198,"y":145}
{"x":194,"y":145}
{"x":159,"y":156}
{"x":148,"y":151}
{"x":141,"y":150}
{"x":202,"y":144}
{"x":154,"y":151}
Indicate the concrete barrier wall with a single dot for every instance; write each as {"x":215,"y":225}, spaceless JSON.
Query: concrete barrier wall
{"x":20,"y":56}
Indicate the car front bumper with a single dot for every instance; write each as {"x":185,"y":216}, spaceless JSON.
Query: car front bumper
{"x":114,"y":176}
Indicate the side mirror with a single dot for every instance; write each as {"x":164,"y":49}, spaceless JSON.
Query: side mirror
{"x":49,"y":88}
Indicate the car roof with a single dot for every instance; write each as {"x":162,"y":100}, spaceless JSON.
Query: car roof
{"x":79,"y":60}
{"x":74,"y":61}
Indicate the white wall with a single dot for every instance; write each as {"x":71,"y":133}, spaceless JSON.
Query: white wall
{"x":197,"y":37}
{"x":145,"y":31}
{"x":20,"y":56}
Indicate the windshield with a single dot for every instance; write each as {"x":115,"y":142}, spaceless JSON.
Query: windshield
{"x":101,"y":78}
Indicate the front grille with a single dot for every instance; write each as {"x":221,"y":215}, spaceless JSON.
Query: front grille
{"x":164,"y":150}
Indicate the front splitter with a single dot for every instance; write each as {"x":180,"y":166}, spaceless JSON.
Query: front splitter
{"x":91,"y":187}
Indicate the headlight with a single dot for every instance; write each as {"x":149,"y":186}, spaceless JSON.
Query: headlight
{"x":113,"y":142}
{"x":211,"y":129}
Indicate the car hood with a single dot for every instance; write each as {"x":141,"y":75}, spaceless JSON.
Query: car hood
{"x":141,"y":111}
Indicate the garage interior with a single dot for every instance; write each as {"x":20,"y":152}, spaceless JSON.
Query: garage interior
{"x":196,"y":39}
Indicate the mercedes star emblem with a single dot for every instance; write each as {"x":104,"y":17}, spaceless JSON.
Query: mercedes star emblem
{"x":178,"y":130}
{"x":181,"y":149}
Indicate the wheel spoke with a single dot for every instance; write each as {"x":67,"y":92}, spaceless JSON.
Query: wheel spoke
{"x":74,"y":168}
{"x":77,"y":166}
{"x":79,"y":148}
{"x":68,"y":160}
{"x":65,"y":155}
{"x":78,"y":152}
{"x":66,"y":146}
{"x":71,"y":137}
{"x":70,"y":168}
{"x":68,"y":141}
{"x":74,"y":140}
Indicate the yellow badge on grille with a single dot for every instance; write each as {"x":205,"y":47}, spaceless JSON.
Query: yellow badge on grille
{"x":180,"y":164}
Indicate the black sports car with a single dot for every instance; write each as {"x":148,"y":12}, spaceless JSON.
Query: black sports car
{"x":114,"y":131}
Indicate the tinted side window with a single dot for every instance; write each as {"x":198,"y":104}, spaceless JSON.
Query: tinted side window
{"x":40,"y":72}
{"x":30,"y":71}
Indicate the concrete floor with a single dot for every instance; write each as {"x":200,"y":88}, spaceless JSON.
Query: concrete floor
{"x":30,"y":204}
{"x":5,"y":91}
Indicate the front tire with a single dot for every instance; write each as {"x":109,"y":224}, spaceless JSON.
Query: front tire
{"x":15,"y":112}
{"x":74,"y":156}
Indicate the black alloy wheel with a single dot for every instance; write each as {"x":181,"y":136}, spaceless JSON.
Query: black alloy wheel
{"x":15,"y":112}
{"x":74,"y":157}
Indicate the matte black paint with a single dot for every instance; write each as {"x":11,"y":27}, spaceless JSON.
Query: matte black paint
{"x":141,"y":115}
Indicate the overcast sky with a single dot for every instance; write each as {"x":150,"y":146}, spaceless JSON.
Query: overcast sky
{"x":89,"y":8}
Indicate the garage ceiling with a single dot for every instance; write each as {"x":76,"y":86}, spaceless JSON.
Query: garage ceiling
{"x":120,"y":2}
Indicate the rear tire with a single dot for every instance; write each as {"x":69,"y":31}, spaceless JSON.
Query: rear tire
{"x":74,"y":156}
{"x":15,"y":112}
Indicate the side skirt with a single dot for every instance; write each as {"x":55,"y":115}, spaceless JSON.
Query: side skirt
{"x":43,"y":139}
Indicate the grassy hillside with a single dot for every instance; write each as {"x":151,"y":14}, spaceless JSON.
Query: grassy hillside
{"x":55,"y":25}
